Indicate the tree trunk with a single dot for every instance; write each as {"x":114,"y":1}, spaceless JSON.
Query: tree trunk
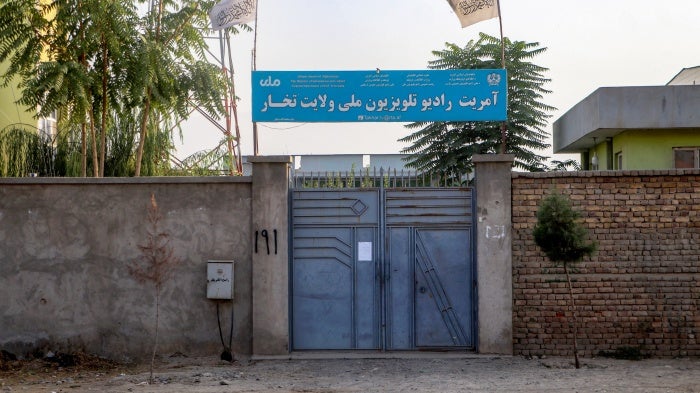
{"x":573,"y":316}
{"x":84,"y":63}
{"x":143,"y":133}
{"x":504,"y":138}
{"x":103,"y":136}
{"x":95,"y":159}
{"x":83,"y":150}
{"x":147,"y":104}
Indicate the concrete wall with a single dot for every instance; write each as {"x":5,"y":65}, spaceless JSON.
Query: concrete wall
{"x":648,"y":149}
{"x":493,"y":250}
{"x":67,"y":244}
{"x":271,"y":266}
{"x":328,"y":163}
{"x":643,"y":149}
{"x":345,"y":162}
{"x":611,"y":110}
{"x":640,"y":290}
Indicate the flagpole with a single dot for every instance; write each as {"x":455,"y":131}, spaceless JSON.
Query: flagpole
{"x":504,"y":134}
{"x":255,"y":55}
{"x":503,"y":44}
{"x":234,"y":107}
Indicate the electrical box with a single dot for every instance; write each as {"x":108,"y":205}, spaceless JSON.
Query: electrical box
{"x":220,"y":280}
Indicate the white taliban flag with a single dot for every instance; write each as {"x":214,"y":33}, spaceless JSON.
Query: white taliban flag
{"x":473,"y":11}
{"x":229,"y":13}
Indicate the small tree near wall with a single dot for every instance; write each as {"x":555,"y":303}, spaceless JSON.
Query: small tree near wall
{"x":562,"y":237}
{"x":155,"y":265}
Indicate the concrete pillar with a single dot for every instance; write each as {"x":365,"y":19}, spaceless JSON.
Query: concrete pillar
{"x":270,"y":285}
{"x":494,"y":253}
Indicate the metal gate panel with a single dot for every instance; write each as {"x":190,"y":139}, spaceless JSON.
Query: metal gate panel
{"x":399,"y":289}
{"x":442,"y":293}
{"x":367,"y":297}
{"x":331,"y":207}
{"x":428,"y":206}
{"x":429,"y":264}
{"x":335,"y":290}
{"x":382,"y":269}
{"x":429,"y":288}
{"x":322,"y":281}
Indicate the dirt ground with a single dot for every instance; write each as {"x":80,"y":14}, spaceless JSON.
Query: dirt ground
{"x":442,"y":373}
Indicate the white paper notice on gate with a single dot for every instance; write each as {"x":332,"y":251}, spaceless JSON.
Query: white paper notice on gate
{"x":364,"y":251}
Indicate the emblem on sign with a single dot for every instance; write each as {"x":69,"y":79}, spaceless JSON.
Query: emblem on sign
{"x":494,"y":79}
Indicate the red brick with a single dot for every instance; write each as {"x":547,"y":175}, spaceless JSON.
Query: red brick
{"x":641,"y":286}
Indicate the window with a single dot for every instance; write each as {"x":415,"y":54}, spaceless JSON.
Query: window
{"x":686,"y":157}
{"x":47,"y":125}
{"x":618,"y":160}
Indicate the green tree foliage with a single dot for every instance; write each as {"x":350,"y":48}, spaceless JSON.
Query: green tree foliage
{"x":71,"y":56}
{"x":563,"y":166}
{"x":213,"y":162}
{"x":100,"y":64}
{"x":559,"y":232}
{"x":564,"y":240}
{"x":171,"y":70}
{"x":24,"y":153}
{"x":449,"y":146}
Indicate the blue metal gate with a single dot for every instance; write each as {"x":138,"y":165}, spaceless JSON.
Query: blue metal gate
{"x":382,"y":269}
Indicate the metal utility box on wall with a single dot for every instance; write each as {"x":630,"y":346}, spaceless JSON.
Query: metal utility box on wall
{"x":220,"y":280}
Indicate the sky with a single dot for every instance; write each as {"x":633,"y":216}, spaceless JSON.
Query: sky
{"x":590,"y":44}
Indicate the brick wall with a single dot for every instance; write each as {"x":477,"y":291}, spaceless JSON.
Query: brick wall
{"x":642,"y":288}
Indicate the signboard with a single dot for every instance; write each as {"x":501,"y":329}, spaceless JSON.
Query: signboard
{"x":379,"y":96}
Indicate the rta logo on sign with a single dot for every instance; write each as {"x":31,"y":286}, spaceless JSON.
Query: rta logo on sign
{"x":269,"y":82}
{"x":494,"y":79}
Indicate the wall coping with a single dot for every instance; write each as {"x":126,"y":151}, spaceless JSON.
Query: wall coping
{"x":269,"y":159}
{"x":493,"y":158}
{"x":125,"y":180}
{"x":624,"y":173}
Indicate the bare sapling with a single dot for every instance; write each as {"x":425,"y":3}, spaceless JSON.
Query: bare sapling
{"x":155,"y":265}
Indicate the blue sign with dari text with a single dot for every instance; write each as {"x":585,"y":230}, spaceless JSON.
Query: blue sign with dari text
{"x":379,"y":96}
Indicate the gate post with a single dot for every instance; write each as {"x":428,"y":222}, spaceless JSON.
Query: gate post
{"x":270,"y":201}
{"x":494,"y":255}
